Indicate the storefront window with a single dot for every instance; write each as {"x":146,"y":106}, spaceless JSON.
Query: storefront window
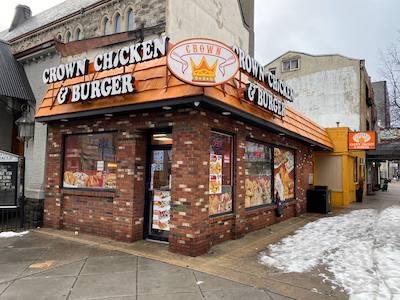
{"x":258,"y":174}
{"x":284,"y":174}
{"x":220,"y":180}
{"x":89,"y":161}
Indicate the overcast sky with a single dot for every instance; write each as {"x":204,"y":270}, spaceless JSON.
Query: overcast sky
{"x":354,"y":28}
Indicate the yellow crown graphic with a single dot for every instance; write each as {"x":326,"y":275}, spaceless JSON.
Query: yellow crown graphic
{"x":203,"y":72}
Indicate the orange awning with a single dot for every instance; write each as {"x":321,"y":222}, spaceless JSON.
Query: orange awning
{"x":154,"y":83}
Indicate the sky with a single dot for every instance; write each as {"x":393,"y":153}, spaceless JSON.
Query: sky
{"x":354,"y":28}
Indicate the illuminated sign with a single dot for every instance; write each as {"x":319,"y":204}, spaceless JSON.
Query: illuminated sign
{"x":362,"y":140}
{"x":202,"y":62}
{"x":109,"y":86}
{"x":264,"y":98}
{"x":253,"y":68}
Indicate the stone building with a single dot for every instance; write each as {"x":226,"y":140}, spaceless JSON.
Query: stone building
{"x":93,"y":26}
{"x":330,"y":89}
{"x":382,"y":103}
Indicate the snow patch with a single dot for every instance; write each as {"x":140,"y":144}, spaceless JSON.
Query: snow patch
{"x":8,"y":234}
{"x":360,"y":251}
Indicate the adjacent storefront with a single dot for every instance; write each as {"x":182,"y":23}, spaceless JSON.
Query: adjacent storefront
{"x":191,"y":145}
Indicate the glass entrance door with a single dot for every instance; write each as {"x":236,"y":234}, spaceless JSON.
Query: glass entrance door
{"x":159,"y":186}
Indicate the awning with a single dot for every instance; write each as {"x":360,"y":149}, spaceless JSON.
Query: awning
{"x":155,"y":87}
{"x":13,"y":81}
{"x":385,"y":151}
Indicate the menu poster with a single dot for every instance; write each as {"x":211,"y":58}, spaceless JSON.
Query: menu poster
{"x":215,"y":164}
{"x":220,"y":203}
{"x":215,"y":183}
{"x":8,"y":183}
{"x":161,"y":210}
{"x":258,"y":190}
{"x":215,"y":180}
{"x":284,"y":174}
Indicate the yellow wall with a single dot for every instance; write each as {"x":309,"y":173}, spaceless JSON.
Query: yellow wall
{"x":339,"y":138}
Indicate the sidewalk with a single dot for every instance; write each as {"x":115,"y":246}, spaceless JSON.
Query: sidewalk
{"x":38,"y":266}
{"x":87,"y":267}
{"x":233,"y":260}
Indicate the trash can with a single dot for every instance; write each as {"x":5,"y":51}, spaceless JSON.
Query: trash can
{"x":319,"y":200}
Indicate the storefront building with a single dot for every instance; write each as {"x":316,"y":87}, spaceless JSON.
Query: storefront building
{"x":189,"y":145}
{"x":342,"y":170}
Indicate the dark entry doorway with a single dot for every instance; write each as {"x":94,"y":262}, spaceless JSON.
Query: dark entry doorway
{"x":158,"y":186}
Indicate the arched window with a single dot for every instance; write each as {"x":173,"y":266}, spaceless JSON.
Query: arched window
{"x":59,"y":37}
{"x":131,"y":20}
{"x":106,"y":26}
{"x":68,"y":37}
{"x":78,"y":34}
{"x":117,"y":23}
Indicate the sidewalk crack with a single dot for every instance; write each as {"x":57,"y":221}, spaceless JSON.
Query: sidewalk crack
{"x":76,"y":279}
{"x":198,"y":285}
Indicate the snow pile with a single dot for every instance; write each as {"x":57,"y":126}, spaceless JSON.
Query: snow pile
{"x":8,"y":234}
{"x":361,"y":249}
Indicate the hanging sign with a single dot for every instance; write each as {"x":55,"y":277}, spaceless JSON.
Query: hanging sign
{"x":8,"y":157}
{"x":109,"y":86}
{"x":8,"y":178}
{"x":202,"y":62}
{"x":362,"y":140}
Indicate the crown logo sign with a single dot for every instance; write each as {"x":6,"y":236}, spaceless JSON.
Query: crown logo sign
{"x":203,"y":72}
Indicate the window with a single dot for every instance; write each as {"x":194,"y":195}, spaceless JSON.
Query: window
{"x":220,"y":177}
{"x":59,"y":37}
{"x":68,"y":37}
{"x":89,"y":161}
{"x":291,"y":64}
{"x":78,"y":34}
{"x":258,"y":162}
{"x":283,"y":174}
{"x":273,"y":71}
{"x":117,"y":23}
{"x":106,"y":26}
{"x":131,"y":20}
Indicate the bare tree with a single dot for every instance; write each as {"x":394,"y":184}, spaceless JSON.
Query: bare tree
{"x":391,"y":72}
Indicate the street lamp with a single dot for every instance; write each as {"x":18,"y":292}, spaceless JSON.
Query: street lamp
{"x":25,"y":125}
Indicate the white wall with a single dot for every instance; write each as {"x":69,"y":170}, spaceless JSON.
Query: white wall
{"x":35,"y":149}
{"x":329,"y":96}
{"x":328,"y":171}
{"x":216,"y":19}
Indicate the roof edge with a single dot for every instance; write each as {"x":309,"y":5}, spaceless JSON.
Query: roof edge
{"x":313,"y":55}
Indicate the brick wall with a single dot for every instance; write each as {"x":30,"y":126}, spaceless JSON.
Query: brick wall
{"x":120,"y":214}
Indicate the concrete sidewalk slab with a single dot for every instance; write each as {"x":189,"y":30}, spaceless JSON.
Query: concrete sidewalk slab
{"x":61,"y":269}
{"x":104,"y":286}
{"x":39,"y":288}
{"x":110,"y":264}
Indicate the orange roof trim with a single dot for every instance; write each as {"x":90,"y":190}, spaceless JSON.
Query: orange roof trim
{"x":153,"y":82}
